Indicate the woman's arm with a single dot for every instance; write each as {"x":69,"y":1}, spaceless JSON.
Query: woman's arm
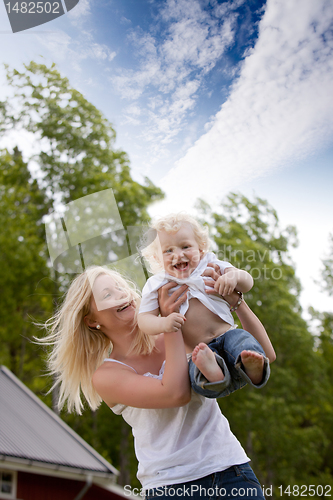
{"x":251,"y":323}
{"x":118,"y":384}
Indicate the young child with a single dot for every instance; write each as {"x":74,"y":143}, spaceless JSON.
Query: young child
{"x":178,"y":250}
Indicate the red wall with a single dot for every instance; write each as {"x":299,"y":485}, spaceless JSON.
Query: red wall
{"x":38,"y":487}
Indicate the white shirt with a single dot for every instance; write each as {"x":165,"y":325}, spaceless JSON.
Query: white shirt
{"x":175,"y":445}
{"x":195,"y":282}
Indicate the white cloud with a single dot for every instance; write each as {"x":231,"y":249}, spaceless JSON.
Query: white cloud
{"x":133,"y":109}
{"x":193,"y":40}
{"x":82,"y":9}
{"x":56,"y":42}
{"x":279,"y":110}
{"x":131,"y":115}
{"x":62,"y":47}
{"x":99,"y":51}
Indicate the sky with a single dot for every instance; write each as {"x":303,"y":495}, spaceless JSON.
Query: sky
{"x":208,"y":97}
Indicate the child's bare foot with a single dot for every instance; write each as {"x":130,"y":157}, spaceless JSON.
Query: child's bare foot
{"x":254,"y":365}
{"x":204,"y":359}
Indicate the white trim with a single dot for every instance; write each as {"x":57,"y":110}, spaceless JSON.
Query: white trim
{"x":25,"y":465}
{"x":11,"y":495}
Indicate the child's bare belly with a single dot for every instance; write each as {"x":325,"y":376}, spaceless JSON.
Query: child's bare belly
{"x":201,"y":325}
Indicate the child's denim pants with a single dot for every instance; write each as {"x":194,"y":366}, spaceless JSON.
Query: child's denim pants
{"x":227,"y":349}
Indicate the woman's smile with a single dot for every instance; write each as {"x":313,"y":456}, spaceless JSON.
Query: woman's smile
{"x":125,"y":306}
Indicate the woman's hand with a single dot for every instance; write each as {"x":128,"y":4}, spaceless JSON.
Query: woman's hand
{"x":211,"y":274}
{"x":171,"y":303}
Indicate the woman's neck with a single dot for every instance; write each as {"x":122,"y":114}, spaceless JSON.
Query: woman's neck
{"x":142,"y":363}
{"x":122,"y":344}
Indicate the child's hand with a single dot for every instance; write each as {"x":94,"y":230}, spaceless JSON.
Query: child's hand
{"x":174,"y":322}
{"x":226,"y":284}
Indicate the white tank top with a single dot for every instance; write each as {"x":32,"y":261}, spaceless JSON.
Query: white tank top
{"x":175,"y":445}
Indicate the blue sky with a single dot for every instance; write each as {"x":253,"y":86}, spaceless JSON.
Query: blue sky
{"x":208,"y":97}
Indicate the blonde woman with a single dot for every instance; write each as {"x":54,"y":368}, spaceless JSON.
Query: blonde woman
{"x":183,"y":443}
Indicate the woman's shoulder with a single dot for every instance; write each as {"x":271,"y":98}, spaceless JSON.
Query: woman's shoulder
{"x":130,"y":364}
{"x":110,"y":364}
{"x":108,"y":377}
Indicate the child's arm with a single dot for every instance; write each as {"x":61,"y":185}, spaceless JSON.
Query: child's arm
{"x":152,"y":324}
{"x":232,"y":279}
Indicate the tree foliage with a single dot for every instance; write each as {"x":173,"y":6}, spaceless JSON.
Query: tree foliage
{"x":327,"y":273}
{"x":24,"y":287}
{"x":281,"y":426}
{"x":325,"y":348}
{"x":76,"y":153}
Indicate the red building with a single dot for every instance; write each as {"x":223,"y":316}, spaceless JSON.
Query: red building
{"x":41,"y":457}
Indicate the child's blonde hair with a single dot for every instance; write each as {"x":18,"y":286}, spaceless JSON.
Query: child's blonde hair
{"x":79,"y":350}
{"x":171,"y":223}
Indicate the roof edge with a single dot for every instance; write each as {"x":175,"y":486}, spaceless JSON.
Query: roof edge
{"x":45,"y":468}
{"x":56,"y":417}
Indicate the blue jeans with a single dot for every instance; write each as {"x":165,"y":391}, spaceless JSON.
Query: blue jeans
{"x":238,"y":482}
{"x":227,"y":349}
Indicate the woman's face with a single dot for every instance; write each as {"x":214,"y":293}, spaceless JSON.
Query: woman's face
{"x":111,"y":306}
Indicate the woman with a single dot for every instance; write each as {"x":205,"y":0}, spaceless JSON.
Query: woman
{"x":182,"y":441}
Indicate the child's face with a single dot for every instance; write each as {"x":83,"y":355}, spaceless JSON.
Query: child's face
{"x":180,"y":251}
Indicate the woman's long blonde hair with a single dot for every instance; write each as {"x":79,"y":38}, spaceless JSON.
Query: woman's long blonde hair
{"x":79,"y":350}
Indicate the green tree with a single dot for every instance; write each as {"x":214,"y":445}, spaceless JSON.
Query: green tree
{"x":75,"y":142}
{"x":280,"y":424}
{"x":325,"y":347}
{"x":24,"y":284}
{"x":327,"y":273}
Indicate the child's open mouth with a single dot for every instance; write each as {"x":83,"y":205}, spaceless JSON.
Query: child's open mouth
{"x":182,"y":266}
